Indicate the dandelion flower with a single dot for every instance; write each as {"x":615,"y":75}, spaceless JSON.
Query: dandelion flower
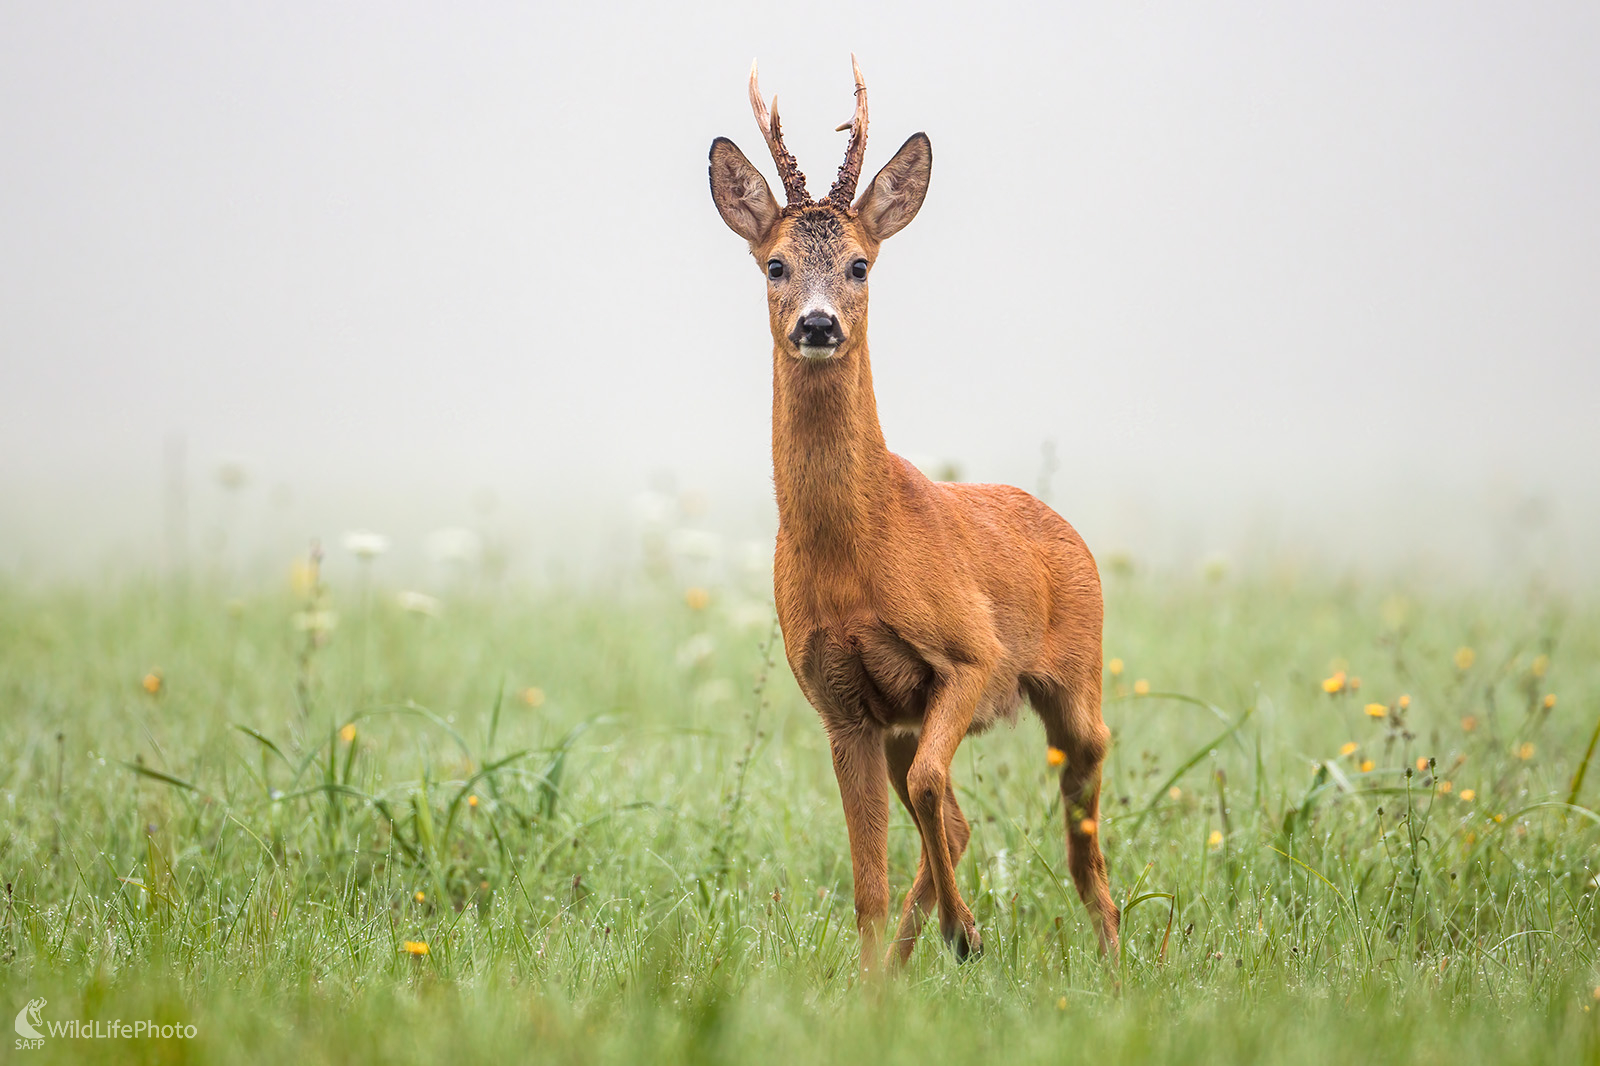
{"x":533,"y":696}
{"x":420,"y":896}
{"x":1541,"y":666}
{"x":416,"y":948}
{"x":152,"y":683}
{"x":1115,"y":666}
{"x":1525,"y":752}
{"x":1376,"y":710}
{"x":472,"y":801}
{"x":1055,"y":756}
{"x":1349,"y":748}
{"x":1215,"y":839}
{"x":365,"y":544}
{"x":1088,"y":827}
{"x":1499,"y":819}
{"x":1141,"y":687}
{"x":302,"y":578}
{"x":1403,"y":702}
{"x":1464,"y":658}
{"x":348,"y":733}
{"x":697,"y":598}
{"x":1445,"y":787}
{"x":1469,"y":723}
{"x":1334,"y":684}
{"x":1366,"y":766}
{"x":1175,"y":793}
{"x":1549,"y":700}
{"x":1422,"y":763}
{"x":1468,"y":795}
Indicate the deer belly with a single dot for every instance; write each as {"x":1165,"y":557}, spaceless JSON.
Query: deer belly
{"x":868,"y":672}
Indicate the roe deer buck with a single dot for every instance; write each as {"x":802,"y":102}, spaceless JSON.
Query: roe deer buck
{"x":913,"y":613}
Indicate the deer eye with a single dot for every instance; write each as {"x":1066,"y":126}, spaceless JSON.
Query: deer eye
{"x":775,"y":269}
{"x":858,"y":270}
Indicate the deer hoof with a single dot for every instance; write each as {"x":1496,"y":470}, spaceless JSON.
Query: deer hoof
{"x":965,"y":941}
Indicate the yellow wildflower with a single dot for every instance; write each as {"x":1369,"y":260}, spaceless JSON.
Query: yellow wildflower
{"x":1355,"y":684}
{"x":1499,"y":819}
{"x":1549,"y":700}
{"x":697,"y":598}
{"x":1468,"y":795}
{"x":416,"y":948}
{"x":1376,"y":710}
{"x":1115,"y":666}
{"x":1403,"y":702}
{"x":1055,"y":756}
{"x":472,"y":801}
{"x":1174,"y":793}
{"x":1422,"y":763}
{"x":1367,"y":765}
{"x":348,"y":733}
{"x":420,"y":896}
{"x":1141,"y":687}
{"x":1061,"y":1004}
{"x":1445,"y":787}
{"x":1088,"y":827}
{"x":1469,"y":723}
{"x":1541,"y":666}
{"x":1215,"y":839}
{"x":1334,"y":684}
{"x":152,"y":683}
{"x":533,"y":696}
{"x":1526,"y":751}
{"x":1349,"y":748}
{"x":1464,"y":658}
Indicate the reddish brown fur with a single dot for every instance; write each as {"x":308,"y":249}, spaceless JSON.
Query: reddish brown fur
{"x":914,"y":613}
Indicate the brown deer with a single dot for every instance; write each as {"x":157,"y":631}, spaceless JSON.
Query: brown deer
{"x":914,"y":613}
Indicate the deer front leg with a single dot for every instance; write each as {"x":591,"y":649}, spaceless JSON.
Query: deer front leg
{"x":944,"y":726}
{"x":863,"y":775}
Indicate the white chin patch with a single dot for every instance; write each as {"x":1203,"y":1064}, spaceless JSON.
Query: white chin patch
{"x":813,"y":354}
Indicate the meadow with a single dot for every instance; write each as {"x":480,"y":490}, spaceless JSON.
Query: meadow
{"x":319,"y":820}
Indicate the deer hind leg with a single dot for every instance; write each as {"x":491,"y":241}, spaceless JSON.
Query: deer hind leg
{"x":1072,"y":723}
{"x":901,"y":750}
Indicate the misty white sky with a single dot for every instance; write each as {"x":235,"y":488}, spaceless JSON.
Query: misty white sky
{"x":1229,"y":258}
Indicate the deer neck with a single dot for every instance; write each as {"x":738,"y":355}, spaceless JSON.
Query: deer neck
{"x":831,"y":467}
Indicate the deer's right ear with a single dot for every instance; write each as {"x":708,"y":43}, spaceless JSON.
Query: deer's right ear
{"x":741,"y":194}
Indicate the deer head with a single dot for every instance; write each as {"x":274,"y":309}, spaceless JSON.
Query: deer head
{"x":817,"y":254}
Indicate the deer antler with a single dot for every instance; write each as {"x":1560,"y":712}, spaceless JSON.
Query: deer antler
{"x":844,"y":186}
{"x":794,"y":182}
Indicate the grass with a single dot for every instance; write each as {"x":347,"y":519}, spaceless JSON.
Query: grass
{"x":610,"y":817}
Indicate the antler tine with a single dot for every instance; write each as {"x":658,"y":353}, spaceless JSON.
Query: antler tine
{"x":794,"y":182}
{"x":844,"y":186}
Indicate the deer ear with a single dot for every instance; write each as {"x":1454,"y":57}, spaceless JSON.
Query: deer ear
{"x":741,"y":194}
{"x":895,"y":195}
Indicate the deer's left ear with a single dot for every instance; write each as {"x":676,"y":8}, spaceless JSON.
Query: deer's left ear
{"x":895,"y":195}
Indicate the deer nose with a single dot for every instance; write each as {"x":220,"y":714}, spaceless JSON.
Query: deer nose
{"x":817,"y":329}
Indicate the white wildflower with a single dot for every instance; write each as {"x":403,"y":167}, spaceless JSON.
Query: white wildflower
{"x":365,"y":544}
{"x":696,"y":650}
{"x":453,"y":545}
{"x":418,"y":603}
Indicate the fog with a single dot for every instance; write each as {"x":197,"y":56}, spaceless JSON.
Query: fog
{"x":1267,"y":281}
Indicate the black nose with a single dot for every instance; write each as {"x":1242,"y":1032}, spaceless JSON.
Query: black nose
{"x":817,"y":329}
